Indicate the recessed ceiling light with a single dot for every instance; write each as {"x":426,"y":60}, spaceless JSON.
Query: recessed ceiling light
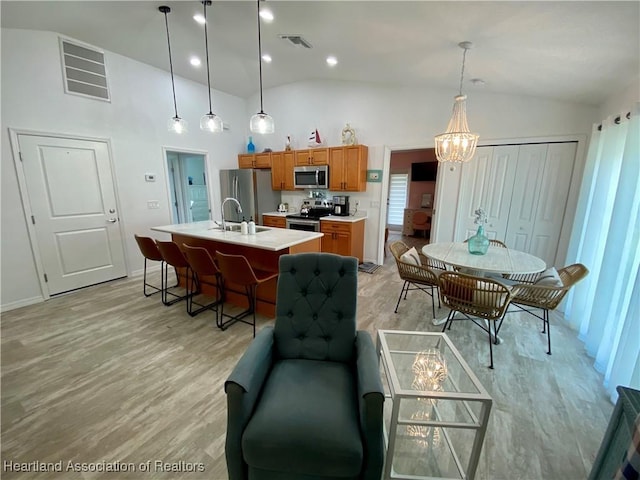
{"x":195,"y":61}
{"x":266,"y":14}
{"x":332,"y":61}
{"x":266,"y":58}
{"x":199,"y":18}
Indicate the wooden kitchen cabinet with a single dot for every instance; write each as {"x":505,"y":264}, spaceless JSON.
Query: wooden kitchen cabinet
{"x":254,"y":160}
{"x":274,"y":221}
{"x":348,"y":168}
{"x":312,"y":156}
{"x":343,"y":238}
{"x":282,"y":170}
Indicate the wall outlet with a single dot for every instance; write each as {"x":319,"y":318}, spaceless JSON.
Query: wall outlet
{"x":153,"y":204}
{"x":375,"y":204}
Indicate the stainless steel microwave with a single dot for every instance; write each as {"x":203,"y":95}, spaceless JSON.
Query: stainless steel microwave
{"x":311,"y":177}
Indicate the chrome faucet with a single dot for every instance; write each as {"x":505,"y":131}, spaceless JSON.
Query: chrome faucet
{"x":224,"y":224}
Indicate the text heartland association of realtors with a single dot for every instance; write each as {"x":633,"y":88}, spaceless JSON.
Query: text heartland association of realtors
{"x":70,"y":466}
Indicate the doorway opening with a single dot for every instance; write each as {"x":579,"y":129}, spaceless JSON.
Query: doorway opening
{"x":188,"y":187}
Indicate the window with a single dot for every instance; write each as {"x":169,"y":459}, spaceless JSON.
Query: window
{"x":397,"y":202}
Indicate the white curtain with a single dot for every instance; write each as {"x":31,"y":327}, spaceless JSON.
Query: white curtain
{"x":605,"y":306}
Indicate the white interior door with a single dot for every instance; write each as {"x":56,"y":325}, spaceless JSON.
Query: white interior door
{"x":73,"y":203}
{"x":487,"y":182}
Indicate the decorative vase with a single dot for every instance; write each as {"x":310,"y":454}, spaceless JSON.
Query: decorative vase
{"x":251,"y":148}
{"x":479,"y":243}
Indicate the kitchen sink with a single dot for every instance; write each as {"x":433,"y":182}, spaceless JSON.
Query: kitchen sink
{"x":236,"y":228}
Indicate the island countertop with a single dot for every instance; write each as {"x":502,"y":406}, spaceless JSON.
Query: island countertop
{"x":272,"y":239}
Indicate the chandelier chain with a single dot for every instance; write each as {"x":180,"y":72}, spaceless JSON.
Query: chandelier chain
{"x":464,"y":57}
{"x":173,"y":86}
{"x":206,"y":48}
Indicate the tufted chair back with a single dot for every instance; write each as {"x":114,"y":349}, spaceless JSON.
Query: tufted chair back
{"x":316,"y":307}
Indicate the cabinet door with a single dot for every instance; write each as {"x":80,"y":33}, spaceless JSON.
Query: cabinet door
{"x":277,"y":171}
{"x":302,"y":157}
{"x":263,"y":160}
{"x":246,"y":160}
{"x":355,"y":168}
{"x":336,"y":168}
{"x":487,"y":182}
{"x":288,"y":159}
{"x":342,"y":244}
{"x":320,"y":156}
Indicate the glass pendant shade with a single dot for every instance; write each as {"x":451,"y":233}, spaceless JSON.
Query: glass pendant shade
{"x":177,"y":125}
{"x":457,"y":144}
{"x":262,"y":123}
{"x":210,"y":122}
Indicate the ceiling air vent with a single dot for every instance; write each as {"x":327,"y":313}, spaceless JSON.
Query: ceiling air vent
{"x":296,"y":41}
{"x":84,"y":71}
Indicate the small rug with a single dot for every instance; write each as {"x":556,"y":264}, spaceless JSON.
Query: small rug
{"x":368,"y":267}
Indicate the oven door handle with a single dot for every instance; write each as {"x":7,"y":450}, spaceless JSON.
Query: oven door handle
{"x":303,"y":222}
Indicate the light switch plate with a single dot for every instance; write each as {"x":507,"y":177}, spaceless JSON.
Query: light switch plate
{"x":153,"y":204}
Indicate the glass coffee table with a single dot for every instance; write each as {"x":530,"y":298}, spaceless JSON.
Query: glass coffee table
{"x":436,"y":410}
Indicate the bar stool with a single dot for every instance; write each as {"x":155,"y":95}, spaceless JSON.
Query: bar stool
{"x":149,"y":250}
{"x":206,"y":273}
{"x":236,"y":269}
{"x":172,"y":255}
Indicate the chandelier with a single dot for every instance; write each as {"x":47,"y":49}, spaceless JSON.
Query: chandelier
{"x":457,"y":144}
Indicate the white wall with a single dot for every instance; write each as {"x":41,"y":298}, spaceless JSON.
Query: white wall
{"x":406,"y":117}
{"x":134,"y":122}
{"x":622,"y":101}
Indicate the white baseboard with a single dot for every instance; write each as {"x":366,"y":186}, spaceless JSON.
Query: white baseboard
{"x":21,"y":303}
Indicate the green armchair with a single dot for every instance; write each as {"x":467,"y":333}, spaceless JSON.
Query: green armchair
{"x":305,"y":400}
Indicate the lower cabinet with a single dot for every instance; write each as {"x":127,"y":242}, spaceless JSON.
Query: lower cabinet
{"x":274,"y":221}
{"x":343,"y":238}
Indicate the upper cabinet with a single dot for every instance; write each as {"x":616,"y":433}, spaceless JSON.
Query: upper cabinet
{"x":282,"y":170}
{"x":254,"y":160}
{"x":312,"y":156}
{"x":348,"y":168}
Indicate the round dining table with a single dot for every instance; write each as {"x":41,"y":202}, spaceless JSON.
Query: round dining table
{"x":497,"y":260}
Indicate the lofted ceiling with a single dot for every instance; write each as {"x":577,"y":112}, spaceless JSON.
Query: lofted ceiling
{"x":576,"y":51}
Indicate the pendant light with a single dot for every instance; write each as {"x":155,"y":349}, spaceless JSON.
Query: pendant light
{"x":209,"y":122}
{"x":175,"y":124}
{"x":261,"y":122}
{"x":457,"y":144}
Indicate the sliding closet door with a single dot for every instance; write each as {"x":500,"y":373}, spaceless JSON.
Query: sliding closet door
{"x":487,"y":182}
{"x":554,"y":191}
{"x":524,"y":201}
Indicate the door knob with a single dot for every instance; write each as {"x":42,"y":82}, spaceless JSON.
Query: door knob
{"x":111,"y":210}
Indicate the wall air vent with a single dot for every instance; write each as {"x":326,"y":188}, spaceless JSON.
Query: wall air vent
{"x":296,"y":40}
{"x":84,"y":70}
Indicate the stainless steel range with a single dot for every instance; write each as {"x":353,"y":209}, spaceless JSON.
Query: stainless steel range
{"x":310,"y":221}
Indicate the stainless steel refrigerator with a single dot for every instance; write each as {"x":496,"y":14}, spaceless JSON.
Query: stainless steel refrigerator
{"x":252,"y":188}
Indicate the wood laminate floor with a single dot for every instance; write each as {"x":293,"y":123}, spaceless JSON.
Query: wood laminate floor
{"x":107,"y":375}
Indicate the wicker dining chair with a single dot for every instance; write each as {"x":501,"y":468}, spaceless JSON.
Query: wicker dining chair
{"x":422,"y":277}
{"x":479,"y":299}
{"x":530,"y":296}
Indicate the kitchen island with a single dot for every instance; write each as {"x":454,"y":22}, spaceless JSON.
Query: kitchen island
{"x":262,"y":250}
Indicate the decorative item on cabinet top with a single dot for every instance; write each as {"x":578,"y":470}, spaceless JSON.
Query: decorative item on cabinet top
{"x":349,"y":136}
